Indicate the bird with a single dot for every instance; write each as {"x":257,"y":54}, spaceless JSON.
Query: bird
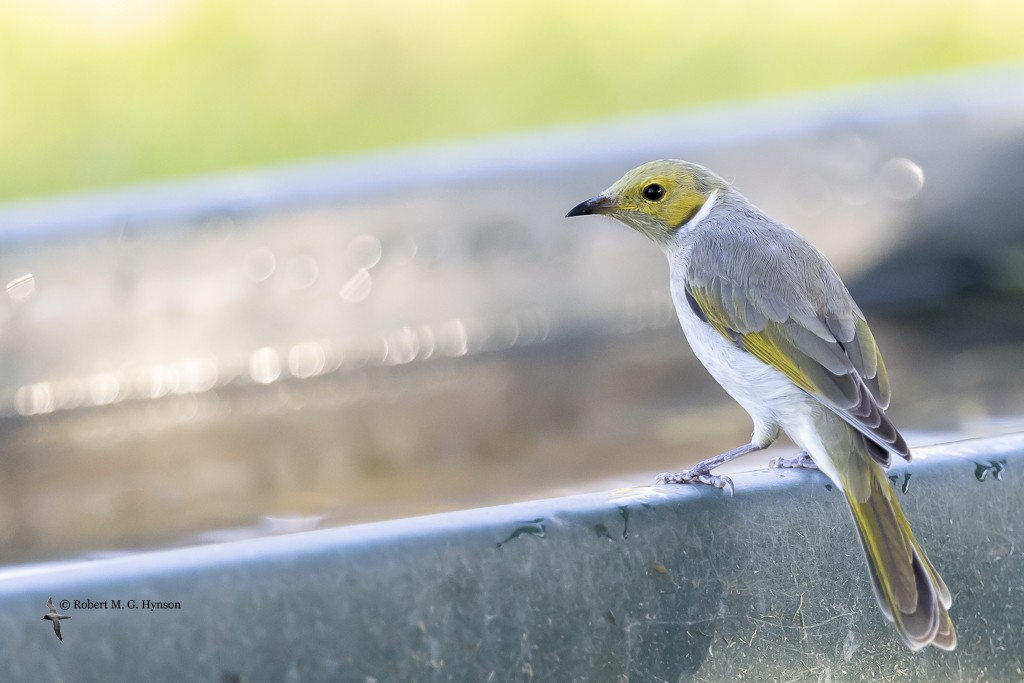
{"x":773,"y":323}
{"x":54,"y":617}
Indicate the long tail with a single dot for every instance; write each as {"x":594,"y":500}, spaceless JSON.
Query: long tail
{"x":910,"y":592}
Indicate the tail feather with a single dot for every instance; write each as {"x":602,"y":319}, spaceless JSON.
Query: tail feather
{"x":910,"y":592}
{"x":945,"y":639}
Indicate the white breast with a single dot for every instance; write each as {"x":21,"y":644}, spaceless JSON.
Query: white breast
{"x":771,"y":399}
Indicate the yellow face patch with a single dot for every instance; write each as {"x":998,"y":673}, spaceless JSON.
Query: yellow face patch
{"x":665,"y":193}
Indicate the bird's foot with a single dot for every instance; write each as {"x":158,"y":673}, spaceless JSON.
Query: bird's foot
{"x":696,"y":475}
{"x":803,"y":461}
{"x":701,"y":472}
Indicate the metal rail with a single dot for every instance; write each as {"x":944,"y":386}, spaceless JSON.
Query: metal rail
{"x":652,"y":584}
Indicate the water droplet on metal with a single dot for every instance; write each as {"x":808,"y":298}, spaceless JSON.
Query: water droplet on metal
{"x":533,"y":527}
{"x":982,"y":470}
{"x":624,"y":513}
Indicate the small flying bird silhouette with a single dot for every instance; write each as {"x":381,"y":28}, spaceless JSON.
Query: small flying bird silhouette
{"x":55,"y":617}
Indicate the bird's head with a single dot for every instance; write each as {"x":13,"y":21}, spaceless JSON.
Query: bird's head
{"x":657,"y":198}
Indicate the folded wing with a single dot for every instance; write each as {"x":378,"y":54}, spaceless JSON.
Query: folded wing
{"x":776,"y":297}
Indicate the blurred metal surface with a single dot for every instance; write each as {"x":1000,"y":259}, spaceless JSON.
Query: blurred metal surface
{"x":663,"y":584}
{"x":413,"y":332}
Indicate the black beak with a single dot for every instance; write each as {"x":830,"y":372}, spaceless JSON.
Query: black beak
{"x":598,"y":204}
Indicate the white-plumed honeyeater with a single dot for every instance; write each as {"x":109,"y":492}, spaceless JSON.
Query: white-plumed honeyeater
{"x":768,"y":316}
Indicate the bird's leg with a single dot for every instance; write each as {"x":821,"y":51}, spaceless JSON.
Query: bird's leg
{"x":802,"y":460}
{"x":701,"y":472}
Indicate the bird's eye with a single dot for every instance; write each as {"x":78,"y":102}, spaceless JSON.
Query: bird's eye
{"x":654,"y":192}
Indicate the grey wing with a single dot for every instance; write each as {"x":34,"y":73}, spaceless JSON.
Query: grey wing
{"x":772,"y":294}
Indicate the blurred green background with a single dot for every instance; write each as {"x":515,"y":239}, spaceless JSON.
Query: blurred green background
{"x":104,"y":92}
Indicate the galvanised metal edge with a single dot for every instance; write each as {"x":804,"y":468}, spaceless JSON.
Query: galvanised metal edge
{"x":665,"y":583}
{"x":337,"y":179}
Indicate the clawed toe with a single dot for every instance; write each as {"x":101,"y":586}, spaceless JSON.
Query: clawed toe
{"x":802,"y":461}
{"x":671,"y":478}
{"x":701,"y":472}
{"x":696,"y":477}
